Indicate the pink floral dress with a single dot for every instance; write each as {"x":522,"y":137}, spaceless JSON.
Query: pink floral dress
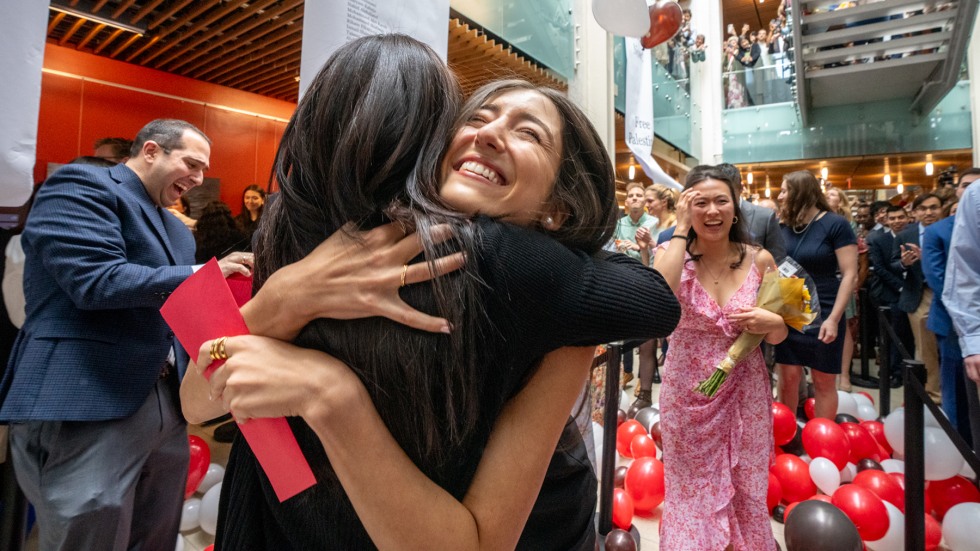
{"x":716,"y":450}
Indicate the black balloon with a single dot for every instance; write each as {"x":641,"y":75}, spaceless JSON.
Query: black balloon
{"x":868,"y":464}
{"x":620,"y":540}
{"x":819,"y":526}
{"x":845,"y":418}
{"x":620,"y":417}
{"x":646,"y":416}
{"x":778,"y":512}
{"x":619,"y":481}
{"x":795,"y":446}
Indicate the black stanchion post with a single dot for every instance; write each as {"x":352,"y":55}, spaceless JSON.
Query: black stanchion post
{"x":914,"y":373}
{"x":884,"y":361}
{"x":610,"y":418}
{"x":864,"y":380}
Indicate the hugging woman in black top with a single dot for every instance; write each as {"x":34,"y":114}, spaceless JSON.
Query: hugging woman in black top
{"x":434,"y":440}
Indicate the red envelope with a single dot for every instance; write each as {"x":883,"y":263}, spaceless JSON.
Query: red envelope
{"x":204,"y":307}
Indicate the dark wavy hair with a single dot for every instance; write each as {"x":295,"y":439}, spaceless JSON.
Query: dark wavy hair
{"x":216,"y":233}
{"x":257,"y":189}
{"x":737,"y":234}
{"x":802,"y":192}
{"x":365,"y":147}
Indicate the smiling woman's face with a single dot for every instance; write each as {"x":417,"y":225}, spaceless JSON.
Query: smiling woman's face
{"x":713,"y":212}
{"x":503,"y":162}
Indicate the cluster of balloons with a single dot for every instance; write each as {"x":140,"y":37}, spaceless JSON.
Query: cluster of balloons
{"x":840,"y":485}
{"x":639,"y":484}
{"x":203,"y":478}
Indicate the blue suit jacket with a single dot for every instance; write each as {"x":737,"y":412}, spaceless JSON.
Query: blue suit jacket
{"x":935,"y":252}
{"x":101,"y":260}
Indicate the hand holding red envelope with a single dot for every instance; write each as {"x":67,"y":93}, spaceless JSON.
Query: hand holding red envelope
{"x":205,"y":307}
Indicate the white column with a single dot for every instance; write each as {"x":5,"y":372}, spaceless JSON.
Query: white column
{"x":973,"y":66}
{"x":707,"y":95}
{"x":592,"y":86}
{"x":22,"y":44}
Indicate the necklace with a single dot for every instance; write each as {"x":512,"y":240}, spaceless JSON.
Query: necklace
{"x":714,"y":277}
{"x":814,"y":217}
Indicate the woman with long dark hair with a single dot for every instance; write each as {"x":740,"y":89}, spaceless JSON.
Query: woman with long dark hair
{"x":825,"y":245}
{"x":253,"y":205}
{"x":717,"y":449}
{"x":420,"y":445}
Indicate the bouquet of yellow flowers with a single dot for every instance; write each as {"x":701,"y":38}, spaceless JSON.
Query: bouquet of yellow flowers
{"x":786,"y":292}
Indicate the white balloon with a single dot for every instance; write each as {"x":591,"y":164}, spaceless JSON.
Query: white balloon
{"x":806,"y":458}
{"x":209,"y":509}
{"x":624,"y":401}
{"x":622,"y":17}
{"x":213,"y":476}
{"x":180,"y":543}
{"x":866,"y":412}
{"x":895,"y":430}
{"x":930,"y":419}
{"x":961,"y":527}
{"x":825,"y":475}
{"x":894,"y":538}
{"x":893,"y":466}
{"x":190,"y":515}
{"x":943,"y":460}
{"x":848,"y":473}
{"x":967,"y":471}
{"x":861,"y":400}
{"x":846,"y":403}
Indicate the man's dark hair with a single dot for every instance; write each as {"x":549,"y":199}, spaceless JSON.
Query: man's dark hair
{"x":733,"y":173}
{"x":121,"y":147}
{"x":968,"y":172}
{"x":167,"y":133}
{"x":894,"y":208}
{"x":878,"y":205}
{"x":925,"y":197}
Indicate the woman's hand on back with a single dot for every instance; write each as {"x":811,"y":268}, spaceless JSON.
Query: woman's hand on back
{"x":349,"y":278}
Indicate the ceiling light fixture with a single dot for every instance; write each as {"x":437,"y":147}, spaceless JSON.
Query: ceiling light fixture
{"x":749,"y":178}
{"x":888,"y":177}
{"x":824,"y":172}
{"x":929,"y":167}
{"x":59,"y":7}
{"x":632,"y":170}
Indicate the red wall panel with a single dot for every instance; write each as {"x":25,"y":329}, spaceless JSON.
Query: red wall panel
{"x":102,"y":97}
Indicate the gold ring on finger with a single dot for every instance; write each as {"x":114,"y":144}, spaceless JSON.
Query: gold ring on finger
{"x":404,"y":274}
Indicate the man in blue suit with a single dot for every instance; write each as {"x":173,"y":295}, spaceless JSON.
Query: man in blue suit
{"x":885,"y":285}
{"x":98,"y":443}
{"x":916,"y":296}
{"x":935,"y":252}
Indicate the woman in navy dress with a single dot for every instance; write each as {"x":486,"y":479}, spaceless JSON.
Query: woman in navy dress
{"x":824,"y":244}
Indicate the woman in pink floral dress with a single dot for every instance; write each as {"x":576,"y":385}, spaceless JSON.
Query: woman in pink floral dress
{"x":716,"y":450}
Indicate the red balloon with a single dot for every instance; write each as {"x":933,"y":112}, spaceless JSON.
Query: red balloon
{"x":198,"y":466}
{"x":809,"y":408}
{"x":900,"y":480}
{"x":789,"y":509}
{"x":775,"y":493}
{"x":665,"y":21}
{"x":622,"y":509}
{"x":643,"y":446}
{"x":794,"y":477}
{"x":825,"y":438}
{"x":862,"y":443}
{"x":645,"y":484}
{"x":865,"y":510}
{"x":883,"y":486}
{"x":944,"y":494}
{"x":818,"y":497}
{"x":934,"y":533}
{"x":209,"y":548}
{"x":877,"y":431}
{"x":625,"y":434}
{"x":783,"y":423}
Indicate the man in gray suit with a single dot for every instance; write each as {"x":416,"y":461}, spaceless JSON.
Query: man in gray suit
{"x":98,"y":443}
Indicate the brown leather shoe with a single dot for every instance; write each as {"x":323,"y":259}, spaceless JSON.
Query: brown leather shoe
{"x":627,"y":377}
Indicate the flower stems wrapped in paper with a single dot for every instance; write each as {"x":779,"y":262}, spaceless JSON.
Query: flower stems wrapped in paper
{"x":786,"y":292}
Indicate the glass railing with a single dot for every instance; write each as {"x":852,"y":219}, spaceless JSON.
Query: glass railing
{"x":760,"y":85}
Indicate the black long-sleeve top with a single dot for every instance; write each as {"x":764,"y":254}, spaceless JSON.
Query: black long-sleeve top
{"x":539,"y":296}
